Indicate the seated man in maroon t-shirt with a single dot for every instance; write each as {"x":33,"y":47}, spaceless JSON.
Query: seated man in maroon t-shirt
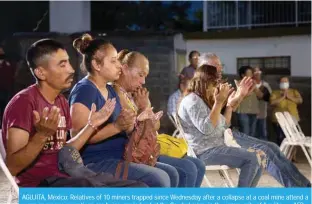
{"x":36,"y":121}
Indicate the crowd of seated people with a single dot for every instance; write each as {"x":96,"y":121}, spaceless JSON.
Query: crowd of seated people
{"x":87,"y":140}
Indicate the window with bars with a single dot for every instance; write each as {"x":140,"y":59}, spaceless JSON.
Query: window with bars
{"x":270,"y":65}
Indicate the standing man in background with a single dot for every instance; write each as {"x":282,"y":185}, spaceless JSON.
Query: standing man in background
{"x":264,"y":98}
{"x":189,"y":71}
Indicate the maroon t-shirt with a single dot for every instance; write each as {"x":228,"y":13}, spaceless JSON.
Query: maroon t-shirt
{"x":19,"y":114}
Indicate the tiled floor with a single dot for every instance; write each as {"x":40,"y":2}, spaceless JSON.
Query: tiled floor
{"x":265,"y":181}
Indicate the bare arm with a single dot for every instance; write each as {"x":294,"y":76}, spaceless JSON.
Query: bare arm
{"x":80,"y":114}
{"x":22,"y":151}
{"x":80,"y":139}
{"x":106,"y":132}
{"x":228,"y":115}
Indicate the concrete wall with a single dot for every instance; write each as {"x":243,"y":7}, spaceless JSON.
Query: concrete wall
{"x":297,"y":47}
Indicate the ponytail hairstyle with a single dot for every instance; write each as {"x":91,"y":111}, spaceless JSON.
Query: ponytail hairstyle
{"x":91,"y":49}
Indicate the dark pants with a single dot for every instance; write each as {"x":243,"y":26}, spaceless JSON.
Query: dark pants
{"x":191,"y":170}
{"x":55,"y":181}
{"x":261,"y":129}
{"x":280,"y":136}
{"x":247,"y":123}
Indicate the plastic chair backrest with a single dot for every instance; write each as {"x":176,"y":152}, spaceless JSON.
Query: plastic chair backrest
{"x":4,"y":167}
{"x":285,"y":126}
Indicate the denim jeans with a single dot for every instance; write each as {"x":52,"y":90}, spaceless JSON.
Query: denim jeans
{"x":171,"y":171}
{"x":55,"y":181}
{"x":247,"y":123}
{"x":191,"y":170}
{"x":162,"y":175}
{"x":70,"y":162}
{"x":236,"y":158}
{"x":261,"y":129}
{"x":283,"y":170}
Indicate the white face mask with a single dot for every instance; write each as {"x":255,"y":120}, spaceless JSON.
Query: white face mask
{"x":258,"y":85}
{"x":284,"y":85}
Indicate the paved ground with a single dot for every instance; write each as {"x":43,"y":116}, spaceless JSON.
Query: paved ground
{"x":265,"y":181}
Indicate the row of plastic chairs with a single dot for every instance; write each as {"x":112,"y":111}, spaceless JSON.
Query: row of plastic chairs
{"x":294,"y":136}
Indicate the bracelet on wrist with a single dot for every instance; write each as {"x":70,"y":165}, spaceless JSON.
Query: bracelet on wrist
{"x":92,"y":126}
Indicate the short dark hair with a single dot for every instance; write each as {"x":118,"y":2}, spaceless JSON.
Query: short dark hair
{"x":243,"y":69}
{"x":281,"y":77}
{"x":193,"y":52}
{"x":39,"y":49}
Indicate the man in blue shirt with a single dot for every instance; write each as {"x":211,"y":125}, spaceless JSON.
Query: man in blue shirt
{"x":177,"y":95}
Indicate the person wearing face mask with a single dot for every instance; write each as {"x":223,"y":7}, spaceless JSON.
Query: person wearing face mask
{"x":284,"y":99}
{"x":263,"y":97}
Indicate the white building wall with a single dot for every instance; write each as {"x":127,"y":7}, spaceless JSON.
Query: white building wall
{"x":70,"y":16}
{"x":297,"y":47}
{"x":179,"y":44}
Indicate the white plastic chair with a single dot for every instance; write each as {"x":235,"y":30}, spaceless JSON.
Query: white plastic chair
{"x":296,"y":127}
{"x":222,"y":169}
{"x":176,"y":131}
{"x":13,"y":194}
{"x":298,"y":136}
{"x":293,"y":136}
